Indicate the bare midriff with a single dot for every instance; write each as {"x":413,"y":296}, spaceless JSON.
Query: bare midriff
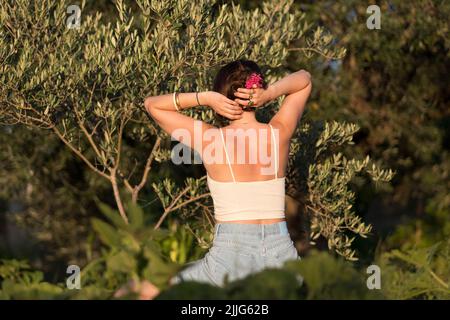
{"x":260,"y":221}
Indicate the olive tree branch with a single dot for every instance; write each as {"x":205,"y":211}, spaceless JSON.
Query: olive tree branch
{"x":147,"y":168}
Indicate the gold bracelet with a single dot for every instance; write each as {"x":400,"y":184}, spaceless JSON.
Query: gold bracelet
{"x":177,"y":99}
{"x":174,"y":96}
{"x":196,"y":96}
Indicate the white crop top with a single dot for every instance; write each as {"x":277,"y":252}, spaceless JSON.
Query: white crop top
{"x":248,"y":200}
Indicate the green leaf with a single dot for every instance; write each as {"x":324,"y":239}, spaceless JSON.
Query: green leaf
{"x":136,"y":215}
{"x":122,"y":262}
{"x":108,"y":235}
{"x":111,"y":214}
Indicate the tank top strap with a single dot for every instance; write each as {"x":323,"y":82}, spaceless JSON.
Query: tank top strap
{"x":226,"y":155}
{"x":274,"y":142}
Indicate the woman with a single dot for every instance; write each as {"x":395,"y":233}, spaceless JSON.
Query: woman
{"x":250,"y":231}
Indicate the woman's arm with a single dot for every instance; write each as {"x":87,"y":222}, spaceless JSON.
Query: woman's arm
{"x":297,"y":86}
{"x":292,"y":83}
{"x":162,"y":110}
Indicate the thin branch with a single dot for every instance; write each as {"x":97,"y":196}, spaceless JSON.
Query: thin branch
{"x":147,"y":168}
{"x":117,"y":196}
{"x":189,"y":201}
{"x":178,"y":197}
{"x":208,"y":214}
{"x":88,"y":135}
{"x":125,"y":181}
{"x":437,"y":278}
{"x":83,"y":128}
{"x":80,"y":154}
{"x":119,"y":141}
{"x":330,"y":57}
{"x":182,"y":193}
{"x":170,"y":209}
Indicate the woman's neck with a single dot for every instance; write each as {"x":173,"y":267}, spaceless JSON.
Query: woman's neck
{"x":248,"y":117}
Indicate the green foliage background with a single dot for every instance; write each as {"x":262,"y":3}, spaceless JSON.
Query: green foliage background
{"x":76,"y":145}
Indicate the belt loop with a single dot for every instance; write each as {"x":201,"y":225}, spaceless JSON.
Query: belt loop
{"x":262,"y":231}
{"x":216,"y":232}
{"x":283,"y":228}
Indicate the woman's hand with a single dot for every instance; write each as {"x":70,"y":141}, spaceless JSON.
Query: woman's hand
{"x":145,"y":290}
{"x":222,"y":105}
{"x":258,"y":96}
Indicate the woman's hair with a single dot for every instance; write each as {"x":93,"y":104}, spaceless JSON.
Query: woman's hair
{"x":233,"y":76}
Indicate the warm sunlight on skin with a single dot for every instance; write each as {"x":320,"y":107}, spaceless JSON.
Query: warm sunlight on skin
{"x":247,"y":145}
{"x":243,"y":126}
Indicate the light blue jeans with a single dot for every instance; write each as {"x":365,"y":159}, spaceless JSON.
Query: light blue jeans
{"x":239,"y":250}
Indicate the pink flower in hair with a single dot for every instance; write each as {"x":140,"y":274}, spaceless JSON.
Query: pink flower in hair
{"x":254,"y":78}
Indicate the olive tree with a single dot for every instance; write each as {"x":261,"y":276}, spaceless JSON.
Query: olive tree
{"x":85,"y":83}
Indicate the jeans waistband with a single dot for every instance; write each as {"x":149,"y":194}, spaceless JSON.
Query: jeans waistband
{"x":260,"y":230}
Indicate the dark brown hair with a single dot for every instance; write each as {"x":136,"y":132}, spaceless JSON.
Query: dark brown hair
{"x":233,"y":76}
